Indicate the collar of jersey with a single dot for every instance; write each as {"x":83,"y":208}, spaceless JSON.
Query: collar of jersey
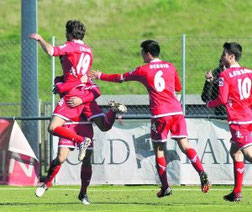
{"x":78,"y":41}
{"x":235,"y":66}
{"x":155,"y":60}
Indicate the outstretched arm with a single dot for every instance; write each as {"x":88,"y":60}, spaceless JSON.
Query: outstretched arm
{"x":47,"y":47}
{"x":105,"y":77}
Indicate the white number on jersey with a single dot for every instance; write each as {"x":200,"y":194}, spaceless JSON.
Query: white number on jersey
{"x":159,"y":82}
{"x":244,"y":87}
{"x":83,"y":64}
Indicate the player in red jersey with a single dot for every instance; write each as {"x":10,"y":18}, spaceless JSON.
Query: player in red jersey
{"x":91,"y":113}
{"x":161,"y":81}
{"x":83,"y":128}
{"x":76,"y":60}
{"x":235,"y":93}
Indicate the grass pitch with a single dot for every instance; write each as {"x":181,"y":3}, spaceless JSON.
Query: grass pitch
{"x":122,"y":198}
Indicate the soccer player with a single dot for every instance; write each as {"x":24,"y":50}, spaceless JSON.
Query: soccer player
{"x":83,"y":128}
{"x":76,"y":60}
{"x":91,"y":112}
{"x":161,"y":81}
{"x":235,"y":93}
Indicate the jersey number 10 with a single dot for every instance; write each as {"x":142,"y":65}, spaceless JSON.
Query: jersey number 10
{"x":244,"y":86}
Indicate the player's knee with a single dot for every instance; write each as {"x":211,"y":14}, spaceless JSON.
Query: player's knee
{"x":61,"y":159}
{"x":50,"y":129}
{"x":237,"y":156}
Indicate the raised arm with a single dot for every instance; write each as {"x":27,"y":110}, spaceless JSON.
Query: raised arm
{"x":47,"y":47}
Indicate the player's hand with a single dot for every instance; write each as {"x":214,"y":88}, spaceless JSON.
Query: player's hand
{"x":74,"y":101}
{"x":209,"y":76}
{"x":94,"y":74}
{"x":84,"y":78}
{"x":35,"y":36}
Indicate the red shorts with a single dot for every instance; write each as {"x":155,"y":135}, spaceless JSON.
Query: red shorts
{"x":160,"y":127}
{"x":83,"y":128}
{"x":241,"y":135}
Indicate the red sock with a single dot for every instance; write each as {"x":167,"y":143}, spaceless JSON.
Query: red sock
{"x":86,"y":173}
{"x":194,"y":158}
{"x":109,"y":119}
{"x":238,"y":175}
{"x":161,"y":169}
{"x":66,"y":133}
{"x":53,"y":170}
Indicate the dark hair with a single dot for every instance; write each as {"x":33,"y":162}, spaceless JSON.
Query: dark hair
{"x":233,"y":48}
{"x":76,"y":29}
{"x":151,"y":46}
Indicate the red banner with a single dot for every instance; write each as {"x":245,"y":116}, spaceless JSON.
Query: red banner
{"x":18,"y":164}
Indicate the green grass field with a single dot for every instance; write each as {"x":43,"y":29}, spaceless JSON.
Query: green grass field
{"x":123,"y":198}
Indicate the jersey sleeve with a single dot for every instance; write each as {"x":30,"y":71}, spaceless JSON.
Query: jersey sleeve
{"x":62,"y":50}
{"x":222,"y":98}
{"x":67,"y":86}
{"x":133,"y":75}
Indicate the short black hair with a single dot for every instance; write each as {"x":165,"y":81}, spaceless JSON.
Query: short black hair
{"x":151,"y":46}
{"x":76,"y":29}
{"x":233,"y":48}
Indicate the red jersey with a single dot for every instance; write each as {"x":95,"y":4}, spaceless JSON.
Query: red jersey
{"x":76,"y":59}
{"x":161,"y":81}
{"x":235,"y":94}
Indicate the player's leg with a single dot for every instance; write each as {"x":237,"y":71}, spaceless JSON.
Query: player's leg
{"x":56,"y":128}
{"x":53,"y":170}
{"x":159,"y":132}
{"x":195,"y":160}
{"x":238,"y":159}
{"x":86,"y":168}
{"x":161,"y":169}
{"x":104,"y":121}
{"x":179,"y":133}
{"x":86,"y":174}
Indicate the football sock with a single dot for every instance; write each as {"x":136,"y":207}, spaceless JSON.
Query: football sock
{"x":238,"y":175}
{"x":86,"y":173}
{"x":109,"y":119}
{"x":194,"y":158}
{"x":53,"y":170}
{"x":68,"y":134}
{"x":161,"y":169}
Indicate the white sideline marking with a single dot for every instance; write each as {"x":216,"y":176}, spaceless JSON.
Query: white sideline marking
{"x":114,"y":190}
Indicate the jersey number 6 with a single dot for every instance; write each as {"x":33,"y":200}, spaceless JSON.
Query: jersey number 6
{"x":159,"y":81}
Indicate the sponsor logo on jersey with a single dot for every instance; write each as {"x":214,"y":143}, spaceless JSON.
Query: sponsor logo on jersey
{"x":221,"y":81}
